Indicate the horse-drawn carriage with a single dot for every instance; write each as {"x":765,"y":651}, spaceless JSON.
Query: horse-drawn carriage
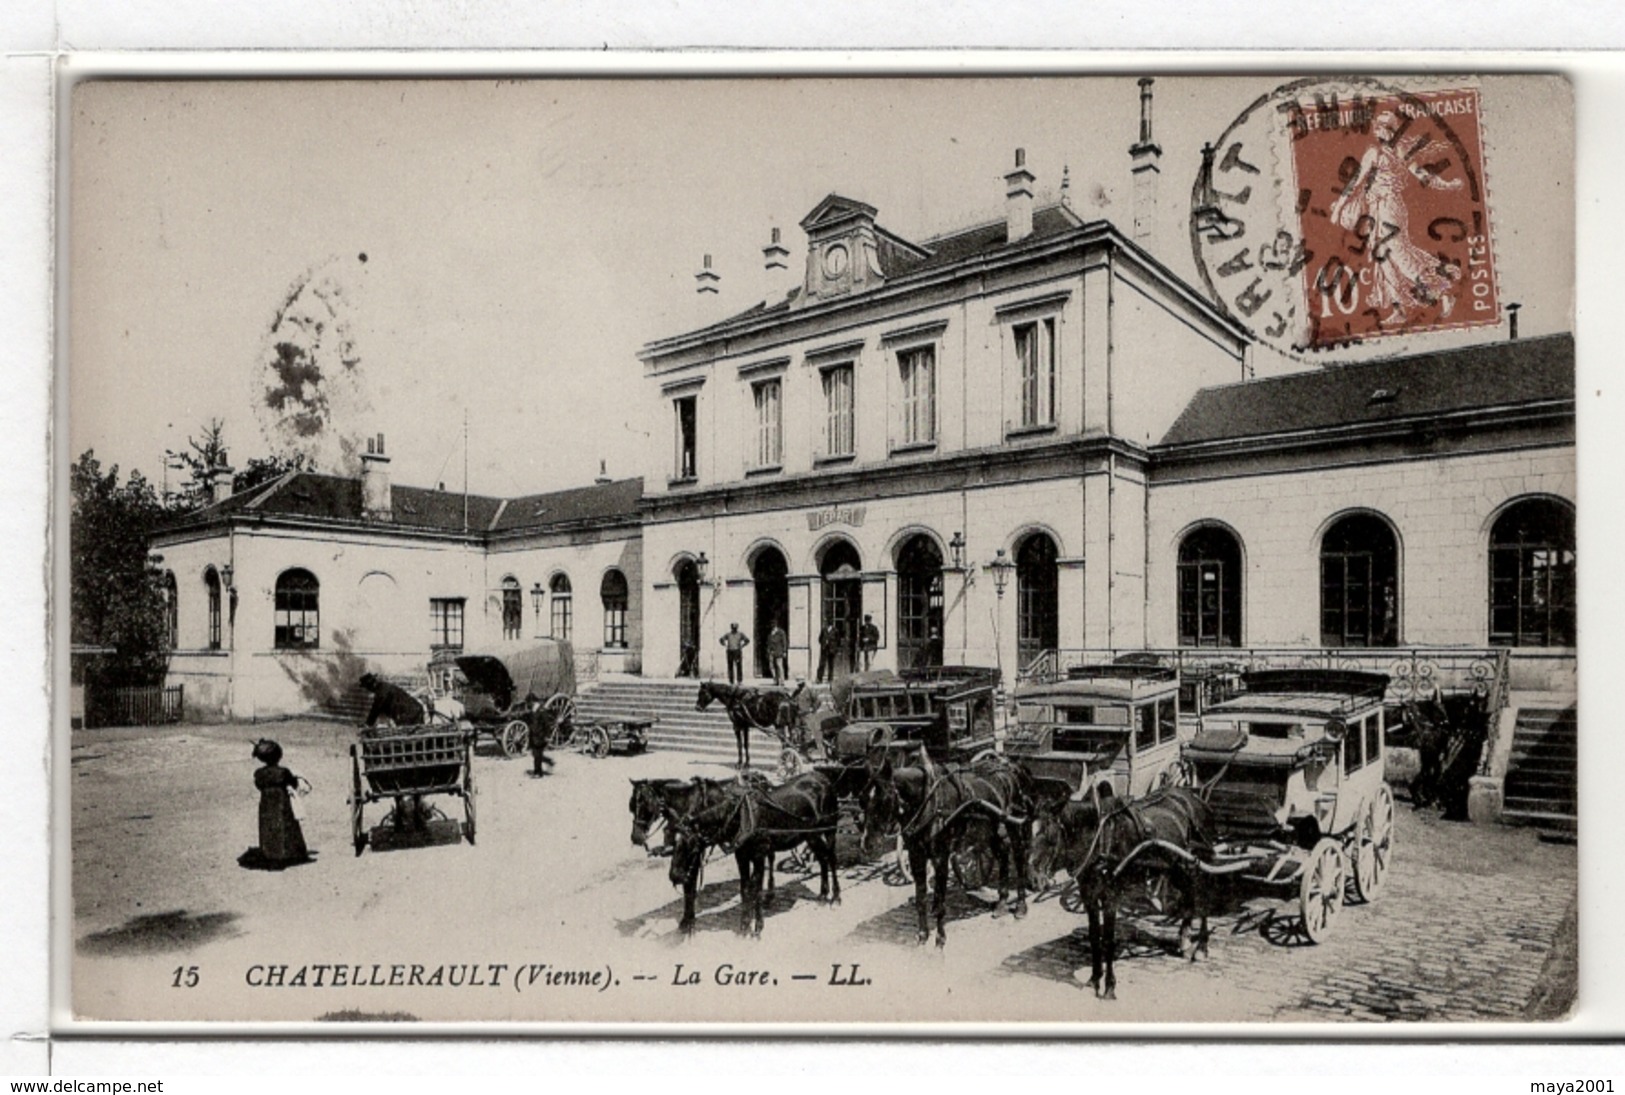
{"x":1294,"y":774}
{"x":947,"y":711}
{"x":1110,"y":729}
{"x":406,"y":768}
{"x":512,"y":694}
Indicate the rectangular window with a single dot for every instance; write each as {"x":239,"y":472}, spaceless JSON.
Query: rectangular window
{"x":1035,"y":354}
{"x":769,"y":424}
{"x":838,"y":431}
{"x":561,"y":616}
{"x":1167,"y":721}
{"x":214,"y":612}
{"x":615,"y":625}
{"x":1145,"y":734}
{"x":686,"y":409}
{"x":1354,"y":747}
{"x":918,"y":369}
{"x":446,"y":623}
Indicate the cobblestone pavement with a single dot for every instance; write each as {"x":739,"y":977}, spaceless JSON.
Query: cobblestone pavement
{"x":159,"y":818}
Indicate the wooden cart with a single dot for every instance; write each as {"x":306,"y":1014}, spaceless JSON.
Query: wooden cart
{"x":411,"y":766}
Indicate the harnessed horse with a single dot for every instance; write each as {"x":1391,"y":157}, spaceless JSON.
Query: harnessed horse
{"x":769,"y":710}
{"x":755,"y":824}
{"x":935,"y":809}
{"x":656,"y":803}
{"x":1168,"y":833}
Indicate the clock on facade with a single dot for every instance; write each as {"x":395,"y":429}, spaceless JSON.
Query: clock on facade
{"x":835,"y":261}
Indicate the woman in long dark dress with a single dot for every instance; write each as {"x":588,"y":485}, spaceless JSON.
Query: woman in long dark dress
{"x":282,"y":841}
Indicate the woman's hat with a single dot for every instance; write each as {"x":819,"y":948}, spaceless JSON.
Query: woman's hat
{"x":267,"y":751}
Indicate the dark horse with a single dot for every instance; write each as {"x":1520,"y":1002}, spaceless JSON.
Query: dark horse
{"x":937,"y":809}
{"x":1449,"y":734}
{"x":756,"y":824}
{"x":660,"y":802}
{"x":767,"y":709}
{"x":1112,"y":847}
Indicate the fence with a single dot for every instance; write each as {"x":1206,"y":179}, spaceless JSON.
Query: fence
{"x":135,"y":706}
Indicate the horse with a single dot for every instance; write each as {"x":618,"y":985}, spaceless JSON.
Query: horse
{"x":935,"y":808}
{"x":659,"y":802}
{"x":770,"y":710}
{"x":1107,"y":846}
{"x":756,"y":824}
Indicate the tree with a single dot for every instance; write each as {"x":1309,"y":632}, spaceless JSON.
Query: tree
{"x":116,"y":594}
{"x":209,"y":453}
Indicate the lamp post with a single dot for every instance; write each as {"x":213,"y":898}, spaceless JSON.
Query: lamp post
{"x":536,"y":604}
{"x":1001,"y":567}
{"x":700,"y":566}
{"x":957,"y":546}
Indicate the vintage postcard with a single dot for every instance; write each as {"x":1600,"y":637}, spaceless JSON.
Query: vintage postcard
{"x":808,"y":551}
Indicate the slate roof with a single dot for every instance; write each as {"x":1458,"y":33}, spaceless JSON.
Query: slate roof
{"x":312,"y":496}
{"x":1495,"y":374}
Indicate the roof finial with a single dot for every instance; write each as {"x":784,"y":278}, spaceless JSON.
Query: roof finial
{"x":1066,"y":185}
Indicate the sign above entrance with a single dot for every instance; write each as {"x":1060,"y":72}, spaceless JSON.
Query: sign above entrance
{"x":835,"y":515}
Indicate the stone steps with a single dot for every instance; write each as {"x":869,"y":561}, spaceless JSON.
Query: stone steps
{"x":1542,"y":781}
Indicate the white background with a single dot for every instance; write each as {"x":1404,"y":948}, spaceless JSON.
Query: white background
{"x":33,"y":35}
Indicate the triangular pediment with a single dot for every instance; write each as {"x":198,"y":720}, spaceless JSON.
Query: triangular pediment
{"x":835,"y":209}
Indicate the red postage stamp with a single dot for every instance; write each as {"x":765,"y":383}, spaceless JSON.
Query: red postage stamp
{"x":1391,"y":201}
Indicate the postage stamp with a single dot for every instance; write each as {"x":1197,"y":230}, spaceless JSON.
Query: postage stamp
{"x":1340,"y":211}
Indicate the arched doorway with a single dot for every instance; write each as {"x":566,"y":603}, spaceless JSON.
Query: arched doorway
{"x":1038,"y":609}
{"x":841,"y":568}
{"x":1359,"y":583}
{"x":1210,"y":588}
{"x":688,"y":618}
{"x":919,"y":603}
{"x":770,"y":573}
{"x":1532,"y":575}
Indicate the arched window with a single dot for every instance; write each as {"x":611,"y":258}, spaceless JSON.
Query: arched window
{"x":1359,"y":583}
{"x":172,"y":610}
{"x":560,"y":588}
{"x":1038,"y":615}
{"x":513,"y":608}
{"x":919,"y":603}
{"x":211,"y":583}
{"x":1532,"y":575}
{"x":1209,"y":588}
{"x":612,"y":590}
{"x":298,"y":623}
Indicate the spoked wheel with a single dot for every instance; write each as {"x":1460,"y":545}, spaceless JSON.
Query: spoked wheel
{"x":563,"y":709}
{"x":468,"y":803}
{"x":515,"y":738}
{"x":598,"y":742}
{"x":1376,"y":846}
{"x":357,"y":835}
{"x":791,"y":764}
{"x":1320,"y":891}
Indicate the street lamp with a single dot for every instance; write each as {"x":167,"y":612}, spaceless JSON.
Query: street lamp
{"x":957,"y":546}
{"x":1001,"y":567}
{"x":700,"y":566}
{"x":536,"y":603}
{"x":226,"y":573}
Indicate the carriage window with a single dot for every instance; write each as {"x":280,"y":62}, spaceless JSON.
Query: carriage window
{"x":1167,"y":721}
{"x":1145,"y":736}
{"x":1113,"y":716}
{"x":297,"y":619}
{"x":446,"y":623}
{"x":1354,"y":748}
{"x":1373,"y":737}
{"x":1078,"y":716}
{"x":922,"y":705}
{"x":1279,"y":731}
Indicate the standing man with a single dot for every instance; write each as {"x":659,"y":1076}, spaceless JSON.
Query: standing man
{"x":829,"y":639}
{"x":734,"y":642}
{"x":868,"y":641}
{"x":778,"y":654}
{"x":933,"y":647}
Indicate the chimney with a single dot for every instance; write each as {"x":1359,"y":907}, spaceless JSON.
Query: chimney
{"x":603,"y":473}
{"x":1512,"y":321}
{"x":708,"y":281}
{"x":217,"y":486}
{"x":376,"y":504}
{"x":1066,"y":185}
{"x":1019,"y":200}
{"x":1146,"y":157}
{"x":776,"y":262}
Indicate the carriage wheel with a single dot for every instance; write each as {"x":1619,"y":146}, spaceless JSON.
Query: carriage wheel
{"x":515,"y":738}
{"x":468,"y":803}
{"x":357,"y":835}
{"x":563,"y":708}
{"x":1376,"y":848}
{"x":598,"y":741}
{"x":791,"y":764}
{"x":1320,"y":890}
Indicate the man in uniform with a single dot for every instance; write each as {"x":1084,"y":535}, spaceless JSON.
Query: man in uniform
{"x":868,"y":641}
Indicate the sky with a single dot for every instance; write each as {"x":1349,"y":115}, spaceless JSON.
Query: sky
{"x":497,"y":251}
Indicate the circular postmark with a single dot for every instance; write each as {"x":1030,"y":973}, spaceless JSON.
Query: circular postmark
{"x":1336,"y":211}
